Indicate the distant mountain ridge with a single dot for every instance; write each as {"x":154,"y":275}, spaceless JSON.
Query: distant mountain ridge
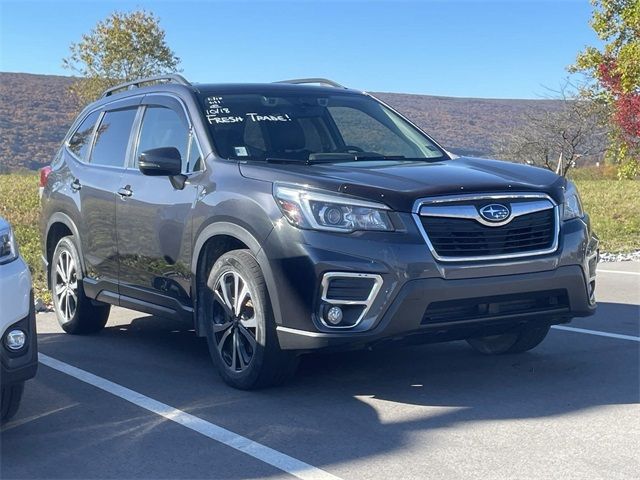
{"x":35,"y":113}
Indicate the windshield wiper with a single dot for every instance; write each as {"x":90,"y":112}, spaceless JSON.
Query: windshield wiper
{"x":351,"y":157}
{"x":318,"y":158}
{"x":397,"y":158}
{"x":329,"y":158}
{"x":380,"y":157}
{"x":296,"y":160}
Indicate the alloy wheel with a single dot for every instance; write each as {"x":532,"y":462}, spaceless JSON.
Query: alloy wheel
{"x":66,"y":286}
{"x":234,"y":321}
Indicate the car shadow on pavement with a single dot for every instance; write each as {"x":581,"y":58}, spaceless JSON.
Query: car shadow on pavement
{"x":368,"y":402}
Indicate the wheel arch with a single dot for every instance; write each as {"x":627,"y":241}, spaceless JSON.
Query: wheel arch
{"x":214,"y":241}
{"x":60,"y":225}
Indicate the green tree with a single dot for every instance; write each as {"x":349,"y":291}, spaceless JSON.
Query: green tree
{"x":123,"y":47}
{"x":615,"y":69}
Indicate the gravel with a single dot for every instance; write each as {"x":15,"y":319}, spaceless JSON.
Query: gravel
{"x":620,"y":257}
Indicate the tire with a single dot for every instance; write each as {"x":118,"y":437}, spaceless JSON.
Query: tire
{"x":10,"y":397}
{"x":518,"y":342}
{"x":76,"y":313}
{"x":241,"y":335}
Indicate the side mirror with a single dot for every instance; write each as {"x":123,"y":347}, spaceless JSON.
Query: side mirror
{"x":160,"y":162}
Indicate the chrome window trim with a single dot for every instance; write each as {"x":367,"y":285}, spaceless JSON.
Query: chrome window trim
{"x":422,"y":202}
{"x":375,"y":289}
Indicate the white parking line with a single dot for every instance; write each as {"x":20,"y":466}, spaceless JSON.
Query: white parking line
{"x":598,"y":333}
{"x":618,"y":271}
{"x":263,"y":453}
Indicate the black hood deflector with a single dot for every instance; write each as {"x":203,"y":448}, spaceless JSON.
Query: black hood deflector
{"x":399,"y":184}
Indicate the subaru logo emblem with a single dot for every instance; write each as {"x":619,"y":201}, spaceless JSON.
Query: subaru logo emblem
{"x":495,"y":212}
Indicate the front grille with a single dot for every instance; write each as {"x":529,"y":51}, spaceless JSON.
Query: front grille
{"x":464,"y":237}
{"x":545,"y":302}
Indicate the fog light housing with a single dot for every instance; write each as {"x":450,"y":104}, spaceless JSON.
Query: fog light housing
{"x":334,"y":315}
{"x":15,"y":340}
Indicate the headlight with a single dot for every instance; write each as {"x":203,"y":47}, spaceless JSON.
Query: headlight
{"x":8,"y":245}
{"x":320,"y":210}
{"x":572,"y":206}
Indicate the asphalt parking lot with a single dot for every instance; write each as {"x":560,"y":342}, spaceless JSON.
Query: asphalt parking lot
{"x":141,"y":400}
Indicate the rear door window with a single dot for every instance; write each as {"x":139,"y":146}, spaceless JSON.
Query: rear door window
{"x":80,"y":141}
{"x":112,"y":138}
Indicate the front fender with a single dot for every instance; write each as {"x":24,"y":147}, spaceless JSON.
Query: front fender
{"x":239,"y":233}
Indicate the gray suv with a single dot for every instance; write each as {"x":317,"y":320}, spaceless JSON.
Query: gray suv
{"x":285,"y":218}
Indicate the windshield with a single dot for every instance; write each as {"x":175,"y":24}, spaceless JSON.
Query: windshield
{"x":319,"y":128}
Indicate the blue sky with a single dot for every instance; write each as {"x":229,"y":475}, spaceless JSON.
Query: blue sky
{"x":473,"y":48}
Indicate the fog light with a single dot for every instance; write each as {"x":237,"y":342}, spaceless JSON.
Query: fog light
{"x":334,"y":315}
{"x":15,"y":339}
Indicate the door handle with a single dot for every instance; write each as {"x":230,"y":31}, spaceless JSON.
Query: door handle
{"x":76,"y":185}
{"x":125,"y":191}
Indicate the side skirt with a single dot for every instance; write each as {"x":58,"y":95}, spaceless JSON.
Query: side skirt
{"x":162,"y":305}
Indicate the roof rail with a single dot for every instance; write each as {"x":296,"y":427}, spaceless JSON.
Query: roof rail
{"x":321,"y":81}
{"x":172,"y":78}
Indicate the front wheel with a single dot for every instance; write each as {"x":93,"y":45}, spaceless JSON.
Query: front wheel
{"x":517,"y":342}
{"x":240,"y":325}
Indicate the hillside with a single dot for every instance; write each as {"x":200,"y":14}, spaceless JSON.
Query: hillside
{"x":466,"y":126}
{"x":35,"y":113}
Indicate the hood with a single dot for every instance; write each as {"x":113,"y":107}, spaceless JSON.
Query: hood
{"x":399,"y":184}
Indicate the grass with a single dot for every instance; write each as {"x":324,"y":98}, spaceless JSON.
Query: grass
{"x":614,"y":207}
{"x":21,"y":207}
{"x":601,"y":172}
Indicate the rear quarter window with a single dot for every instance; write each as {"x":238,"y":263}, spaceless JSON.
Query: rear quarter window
{"x":112,"y":138}
{"x":80,"y":141}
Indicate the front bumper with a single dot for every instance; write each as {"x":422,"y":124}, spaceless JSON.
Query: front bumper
{"x":17,"y":312}
{"x":16,"y":367}
{"x":296,"y":261}
{"x":408,"y":315}
{"x":15,"y":288}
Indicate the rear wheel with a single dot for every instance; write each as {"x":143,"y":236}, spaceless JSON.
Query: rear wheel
{"x":10,"y":397}
{"x":240,"y":327}
{"x":76,"y":313}
{"x":517,"y":342}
